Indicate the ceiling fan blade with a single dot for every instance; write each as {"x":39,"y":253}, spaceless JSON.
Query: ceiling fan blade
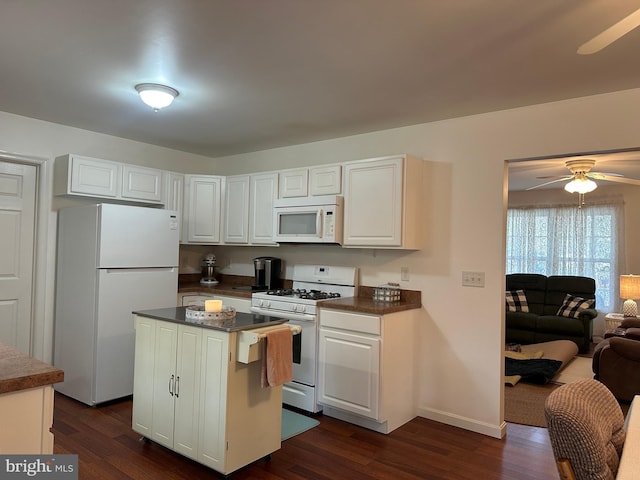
{"x":601,"y":175}
{"x":631,"y":181}
{"x":549,"y":183}
{"x":611,"y":34}
{"x":555,"y":176}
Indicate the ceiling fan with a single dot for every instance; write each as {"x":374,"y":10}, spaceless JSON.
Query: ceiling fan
{"x":581,"y":177}
{"x":611,"y":34}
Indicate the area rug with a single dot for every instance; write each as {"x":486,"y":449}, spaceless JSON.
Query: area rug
{"x":578,"y":369}
{"x":524,"y":403}
{"x":293,"y":424}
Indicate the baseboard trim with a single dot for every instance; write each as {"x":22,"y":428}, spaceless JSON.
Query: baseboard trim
{"x":448,"y":418}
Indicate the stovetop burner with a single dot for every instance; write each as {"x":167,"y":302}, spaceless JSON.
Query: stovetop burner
{"x":303,"y":293}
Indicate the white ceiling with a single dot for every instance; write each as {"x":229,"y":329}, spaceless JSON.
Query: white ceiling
{"x":257,"y":74}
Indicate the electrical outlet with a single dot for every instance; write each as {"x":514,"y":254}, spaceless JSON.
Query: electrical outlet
{"x":404,"y":274}
{"x":473,"y":279}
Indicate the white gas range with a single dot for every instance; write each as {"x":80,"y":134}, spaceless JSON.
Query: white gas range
{"x":311,"y":283}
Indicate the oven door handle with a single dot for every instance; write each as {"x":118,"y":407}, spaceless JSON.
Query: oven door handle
{"x":298,"y":317}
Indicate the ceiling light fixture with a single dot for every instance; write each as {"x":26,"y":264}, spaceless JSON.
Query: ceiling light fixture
{"x":155,"y":95}
{"x":580,"y":184}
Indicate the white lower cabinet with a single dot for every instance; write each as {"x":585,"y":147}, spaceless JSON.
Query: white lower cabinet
{"x":167,"y":378}
{"x":192,"y":396}
{"x":366,"y":372}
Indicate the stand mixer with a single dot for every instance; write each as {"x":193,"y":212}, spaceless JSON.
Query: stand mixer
{"x":207,"y":270}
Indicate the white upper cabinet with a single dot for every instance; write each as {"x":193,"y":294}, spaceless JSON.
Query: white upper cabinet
{"x":202,"y":209}
{"x":173,"y":197}
{"x":92,"y":177}
{"x":325,"y":180}
{"x":141,"y":183}
{"x":303,"y":182}
{"x":248,"y":208}
{"x":236,"y":219}
{"x":294,"y":183}
{"x":264,"y":190}
{"x":382,"y":202}
{"x":76,"y":175}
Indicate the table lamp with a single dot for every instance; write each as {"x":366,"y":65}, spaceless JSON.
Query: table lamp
{"x":630,"y":290}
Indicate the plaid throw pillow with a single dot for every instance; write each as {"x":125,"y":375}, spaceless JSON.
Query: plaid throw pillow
{"x":573,"y":306}
{"x":516,"y":301}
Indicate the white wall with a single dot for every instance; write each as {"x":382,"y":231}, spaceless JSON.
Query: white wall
{"x":461,"y":332}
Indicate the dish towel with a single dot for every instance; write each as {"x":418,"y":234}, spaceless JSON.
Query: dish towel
{"x":277,"y":357}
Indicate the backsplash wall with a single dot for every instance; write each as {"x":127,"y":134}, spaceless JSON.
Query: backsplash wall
{"x":376,"y":266}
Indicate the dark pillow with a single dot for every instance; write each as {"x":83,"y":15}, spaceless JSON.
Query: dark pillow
{"x":573,"y":306}
{"x":516,"y":301}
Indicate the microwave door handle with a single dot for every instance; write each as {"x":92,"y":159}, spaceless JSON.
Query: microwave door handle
{"x":319,"y":222}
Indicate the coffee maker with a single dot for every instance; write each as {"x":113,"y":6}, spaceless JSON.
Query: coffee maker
{"x":207,"y":270}
{"x":267,"y":271}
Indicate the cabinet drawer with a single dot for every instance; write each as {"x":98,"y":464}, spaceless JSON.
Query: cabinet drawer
{"x":356,"y":322}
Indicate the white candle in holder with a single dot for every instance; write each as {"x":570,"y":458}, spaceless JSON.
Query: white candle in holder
{"x":213,"y":305}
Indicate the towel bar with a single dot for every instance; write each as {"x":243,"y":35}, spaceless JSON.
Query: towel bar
{"x":249,"y":349}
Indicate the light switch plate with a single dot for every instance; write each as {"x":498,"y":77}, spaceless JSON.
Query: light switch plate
{"x":473,"y":279}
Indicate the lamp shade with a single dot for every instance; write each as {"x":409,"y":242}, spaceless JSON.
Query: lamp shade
{"x":155,"y":95}
{"x":630,"y":289}
{"x":630,"y":286}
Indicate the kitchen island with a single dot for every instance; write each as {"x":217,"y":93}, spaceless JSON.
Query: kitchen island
{"x":26,"y":403}
{"x":194,"y":393}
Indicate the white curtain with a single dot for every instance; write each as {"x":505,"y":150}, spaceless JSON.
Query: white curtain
{"x":566,"y":240}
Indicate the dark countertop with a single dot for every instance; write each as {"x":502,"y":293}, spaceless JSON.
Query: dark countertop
{"x":238,"y":286}
{"x":21,"y":372}
{"x":242,"y":321}
{"x":364,"y":303}
{"x":230,"y":285}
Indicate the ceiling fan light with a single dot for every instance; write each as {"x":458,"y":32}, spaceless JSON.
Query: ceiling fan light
{"x":155,"y":95}
{"x":580,"y":185}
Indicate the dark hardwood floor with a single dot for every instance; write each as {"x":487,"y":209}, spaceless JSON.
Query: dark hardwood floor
{"x":421,"y":449}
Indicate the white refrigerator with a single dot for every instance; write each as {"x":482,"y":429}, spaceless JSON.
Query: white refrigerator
{"x":112,"y":259}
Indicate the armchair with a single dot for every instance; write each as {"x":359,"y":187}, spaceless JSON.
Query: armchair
{"x":616,"y":363}
{"x":585,"y":425}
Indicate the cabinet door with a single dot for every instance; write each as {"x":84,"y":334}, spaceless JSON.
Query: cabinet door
{"x":349,"y":372}
{"x":325,"y":180}
{"x":140,"y":183}
{"x":264,"y":190}
{"x":94,"y":177}
{"x":143,"y":375}
{"x":164,"y":383}
{"x":236,"y":219}
{"x":373,"y":203}
{"x":213,"y":402}
{"x":294,"y":183}
{"x":173,"y":193}
{"x":203,"y":209}
{"x":187,"y":391}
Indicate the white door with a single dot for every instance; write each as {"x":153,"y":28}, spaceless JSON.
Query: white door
{"x":17,"y":230}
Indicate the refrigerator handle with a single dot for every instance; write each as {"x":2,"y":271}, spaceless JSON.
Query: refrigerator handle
{"x":177,"y":386}
{"x":171,"y":386}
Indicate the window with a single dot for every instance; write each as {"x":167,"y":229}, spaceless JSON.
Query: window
{"x":565,"y":240}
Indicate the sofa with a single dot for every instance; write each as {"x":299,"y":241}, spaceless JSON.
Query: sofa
{"x":616,"y":361}
{"x":543,"y":308}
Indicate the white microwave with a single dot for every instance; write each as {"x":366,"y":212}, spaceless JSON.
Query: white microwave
{"x":308,"y":219}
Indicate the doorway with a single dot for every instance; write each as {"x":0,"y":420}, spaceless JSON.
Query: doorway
{"x":18,"y":187}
